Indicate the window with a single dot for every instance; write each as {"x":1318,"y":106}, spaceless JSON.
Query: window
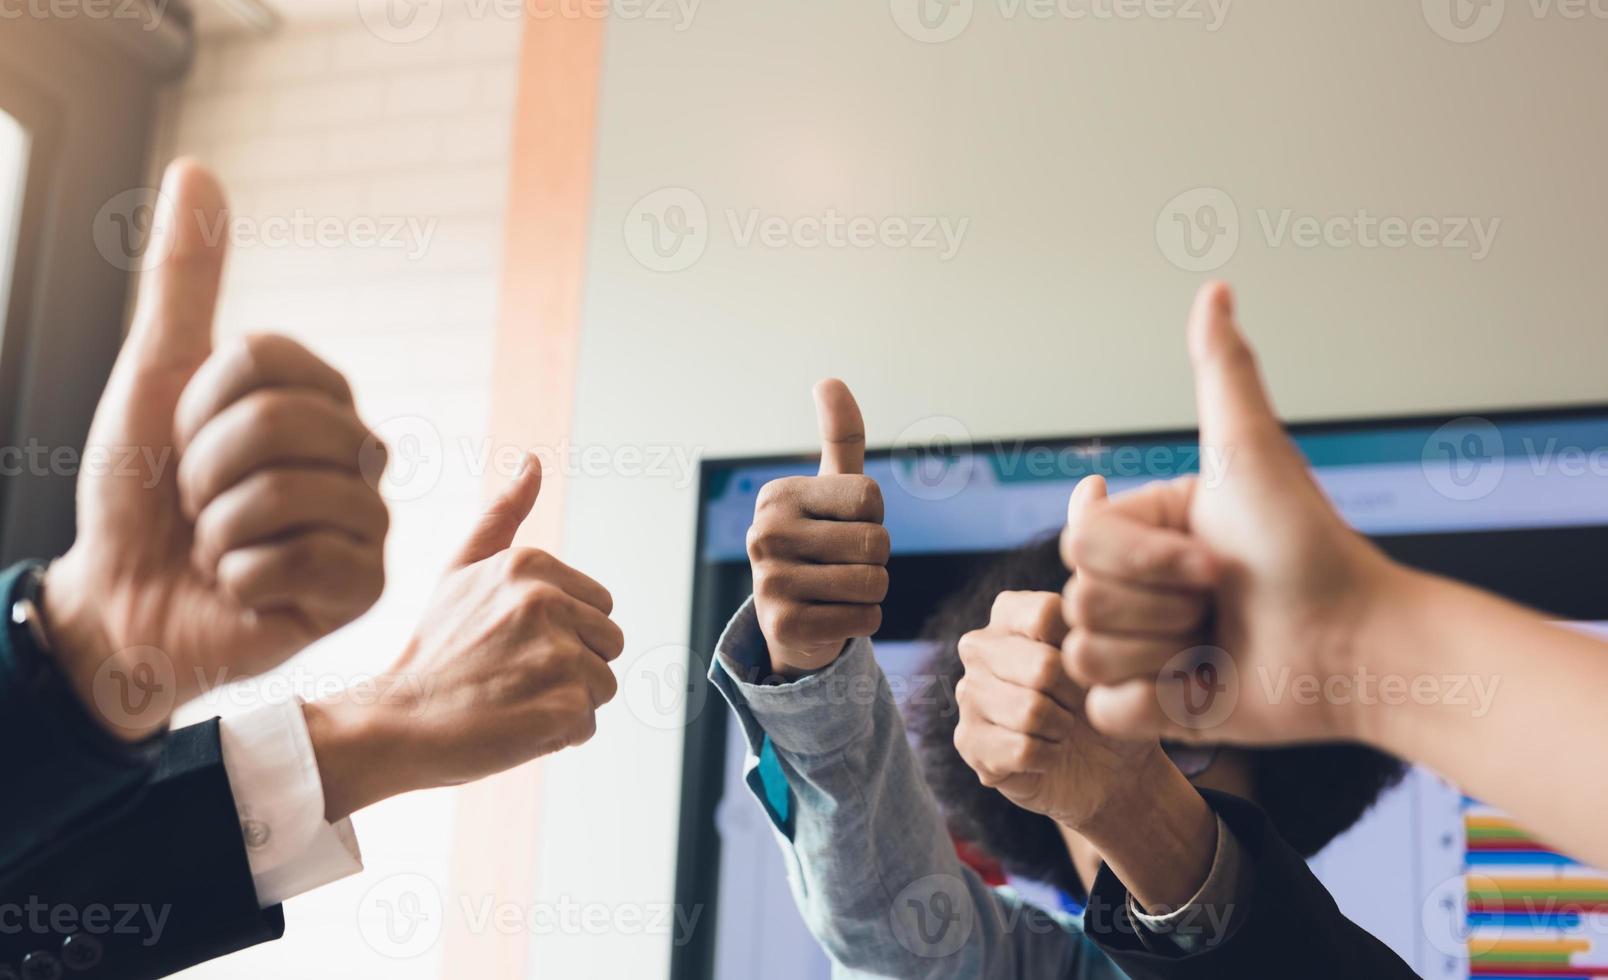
{"x":13,"y":175}
{"x":78,"y":105}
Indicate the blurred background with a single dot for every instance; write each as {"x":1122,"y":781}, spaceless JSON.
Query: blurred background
{"x":629,"y":235}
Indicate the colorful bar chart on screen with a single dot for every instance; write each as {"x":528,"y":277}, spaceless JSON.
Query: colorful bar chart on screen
{"x":1533,"y":914}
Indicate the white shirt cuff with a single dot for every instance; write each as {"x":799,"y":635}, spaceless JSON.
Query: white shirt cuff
{"x":291,"y":848}
{"x":1224,"y":887}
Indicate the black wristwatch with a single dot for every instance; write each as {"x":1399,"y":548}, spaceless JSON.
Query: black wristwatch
{"x":28,"y":609}
{"x":30,"y":640}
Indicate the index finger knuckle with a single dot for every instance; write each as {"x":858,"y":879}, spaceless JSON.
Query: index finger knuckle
{"x":1044,"y":616}
{"x":780,"y":495}
{"x":972,"y":646}
{"x":1045,"y":672}
{"x":866,"y":499}
{"x":1021,"y":752}
{"x":1087,"y":604}
{"x":1036,"y":713}
{"x":530,"y":563}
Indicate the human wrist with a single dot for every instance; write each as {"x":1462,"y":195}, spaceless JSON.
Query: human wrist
{"x":353,"y":750}
{"x":1389,"y":624}
{"x":1349,"y":638}
{"x":793,"y":665}
{"x":78,"y":642}
{"x":1156,"y":834}
{"x":78,"y":639}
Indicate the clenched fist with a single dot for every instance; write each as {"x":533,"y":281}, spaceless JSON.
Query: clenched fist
{"x":249,"y":530}
{"x":1141,"y":588}
{"x":1259,"y":546}
{"x":510,"y":662}
{"x":818,"y":547}
{"x":1022,"y":727}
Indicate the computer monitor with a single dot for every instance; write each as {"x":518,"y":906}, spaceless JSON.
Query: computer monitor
{"x":1514,"y":502}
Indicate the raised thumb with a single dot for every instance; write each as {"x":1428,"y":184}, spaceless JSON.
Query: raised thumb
{"x":1231,"y":401}
{"x":500,"y":521}
{"x":842,"y":429}
{"x":182,"y":271}
{"x":1089,"y":491}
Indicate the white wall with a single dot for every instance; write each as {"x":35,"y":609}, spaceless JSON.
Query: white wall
{"x":333,"y":126}
{"x":1061,"y":141}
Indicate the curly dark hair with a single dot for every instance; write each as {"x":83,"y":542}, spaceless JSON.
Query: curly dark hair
{"x":1312,"y":793}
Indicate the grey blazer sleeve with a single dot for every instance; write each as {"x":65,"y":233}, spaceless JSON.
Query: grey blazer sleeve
{"x":868,"y":857}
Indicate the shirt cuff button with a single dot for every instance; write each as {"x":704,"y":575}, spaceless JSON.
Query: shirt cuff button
{"x":256,"y":833}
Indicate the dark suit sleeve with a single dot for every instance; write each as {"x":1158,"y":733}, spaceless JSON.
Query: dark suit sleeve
{"x":150,"y":888}
{"x":62,"y":767}
{"x":1288,"y":925}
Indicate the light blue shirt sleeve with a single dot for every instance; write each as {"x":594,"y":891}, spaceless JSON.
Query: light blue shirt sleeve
{"x":868,"y":857}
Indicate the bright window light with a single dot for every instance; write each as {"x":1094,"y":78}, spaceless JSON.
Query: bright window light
{"x":13,"y":172}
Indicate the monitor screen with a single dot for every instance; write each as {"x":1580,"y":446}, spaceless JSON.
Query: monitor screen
{"x":1512,"y":502}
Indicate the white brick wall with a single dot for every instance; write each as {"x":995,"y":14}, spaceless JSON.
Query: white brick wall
{"x":331,"y":124}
